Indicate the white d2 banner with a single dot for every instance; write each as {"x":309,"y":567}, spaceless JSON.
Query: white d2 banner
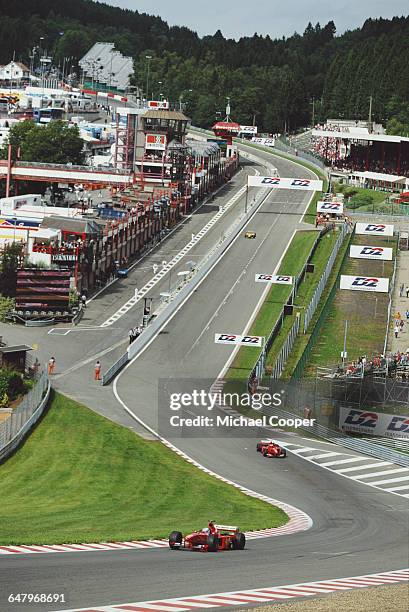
{"x":248,"y":129}
{"x":237,"y":339}
{"x":364,"y":283}
{"x":374,"y":423}
{"x":277,"y":279}
{"x":284,"y":183}
{"x":374,"y":229}
{"x":330,"y":207}
{"x":267,"y":142}
{"x":371,"y":252}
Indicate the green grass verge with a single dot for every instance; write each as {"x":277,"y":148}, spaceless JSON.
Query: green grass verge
{"x":81,"y":478}
{"x":365,"y":312}
{"x":292,"y":264}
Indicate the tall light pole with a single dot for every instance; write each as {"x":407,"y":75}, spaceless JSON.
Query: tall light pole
{"x":148,"y":57}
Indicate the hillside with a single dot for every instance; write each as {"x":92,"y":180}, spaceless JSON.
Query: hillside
{"x":273,"y":80}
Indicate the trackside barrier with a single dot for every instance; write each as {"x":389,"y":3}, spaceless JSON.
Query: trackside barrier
{"x":286,"y":349}
{"x":355,"y":444}
{"x":321,"y":318}
{"x":22,"y":418}
{"x":311,"y":308}
{"x":258,"y":369}
{"x":391,"y":288}
{"x":162,"y":317}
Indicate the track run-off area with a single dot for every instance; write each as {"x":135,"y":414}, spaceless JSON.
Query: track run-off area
{"x":353,"y":535}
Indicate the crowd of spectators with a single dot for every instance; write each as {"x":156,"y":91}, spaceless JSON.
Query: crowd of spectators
{"x":353,"y":157}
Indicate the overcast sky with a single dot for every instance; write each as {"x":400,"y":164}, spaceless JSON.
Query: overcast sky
{"x":244,"y":17}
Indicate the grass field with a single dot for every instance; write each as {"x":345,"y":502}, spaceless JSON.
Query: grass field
{"x":292,"y":264}
{"x":365,"y":312}
{"x":81,"y":478}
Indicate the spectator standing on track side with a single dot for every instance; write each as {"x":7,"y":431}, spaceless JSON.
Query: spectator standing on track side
{"x":396,"y":329}
{"x":97,"y":374}
{"x":84,"y":300}
{"x":51,"y":365}
{"x":401,"y":290}
{"x":407,"y":315}
{"x":407,"y":291}
{"x":131,"y":335}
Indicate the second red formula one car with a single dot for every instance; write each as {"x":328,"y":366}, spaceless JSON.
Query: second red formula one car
{"x":269,"y":448}
{"x":210,"y":539}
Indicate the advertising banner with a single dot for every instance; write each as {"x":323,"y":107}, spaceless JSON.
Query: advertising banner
{"x":364,"y":283}
{"x":374,"y":423}
{"x":374,"y":229}
{"x":277,"y":279}
{"x":158,"y":104}
{"x":237,"y":339}
{"x":371,"y":252}
{"x":266,"y":142}
{"x":332,"y":208}
{"x":284,"y":183}
{"x":248,"y":129}
{"x":156,"y":142}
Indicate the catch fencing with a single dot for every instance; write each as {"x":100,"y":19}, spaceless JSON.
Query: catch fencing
{"x":312,"y":307}
{"x":24,"y":416}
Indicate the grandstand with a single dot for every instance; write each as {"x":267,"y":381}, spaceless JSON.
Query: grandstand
{"x":365,"y":153}
{"x":105,"y":66}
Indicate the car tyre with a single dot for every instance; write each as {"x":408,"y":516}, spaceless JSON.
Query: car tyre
{"x":239,"y":541}
{"x":175,"y":540}
{"x":212,"y":542}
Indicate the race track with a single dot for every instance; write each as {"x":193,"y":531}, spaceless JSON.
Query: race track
{"x":356,"y":529}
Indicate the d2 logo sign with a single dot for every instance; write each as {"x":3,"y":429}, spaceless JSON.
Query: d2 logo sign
{"x":301,"y":183}
{"x":250,"y":340}
{"x":283,"y":279}
{"x":364,"y":419}
{"x":399,"y":424}
{"x":376,"y":251}
{"x":330,"y":206}
{"x":363,"y":281}
{"x":226,"y":338}
{"x":270,"y":180}
{"x":375,"y":228}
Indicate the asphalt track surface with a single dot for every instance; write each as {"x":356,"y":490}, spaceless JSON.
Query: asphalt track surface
{"x":356,"y":530}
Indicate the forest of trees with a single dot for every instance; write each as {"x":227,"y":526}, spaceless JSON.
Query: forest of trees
{"x":272,"y":81}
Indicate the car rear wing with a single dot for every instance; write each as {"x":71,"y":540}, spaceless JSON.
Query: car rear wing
{"x":228,"y":528}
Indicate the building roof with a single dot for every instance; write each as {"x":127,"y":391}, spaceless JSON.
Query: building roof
{"x":22,"y":66}
{"x":353,"y":135}
{"x":79,"y":226}
{"x":18,"y":348}
{"x":105,"y":65}
{"x":377,"y":176}
{"x":165,"y":114}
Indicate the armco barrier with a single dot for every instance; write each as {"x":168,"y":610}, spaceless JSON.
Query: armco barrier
{"x":355,"y":444}
{"x":150,"y":332}
{"x":13,"y":430}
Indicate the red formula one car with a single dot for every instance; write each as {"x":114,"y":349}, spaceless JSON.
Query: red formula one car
{"x":269,"y":448}
{"x":210,"y":539}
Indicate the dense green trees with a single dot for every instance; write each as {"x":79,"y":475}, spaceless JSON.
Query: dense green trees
{"x":274,"y":80}
{"x":56,"y":142}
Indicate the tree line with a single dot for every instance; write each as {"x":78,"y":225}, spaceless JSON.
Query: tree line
{"x":278,"y":83}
